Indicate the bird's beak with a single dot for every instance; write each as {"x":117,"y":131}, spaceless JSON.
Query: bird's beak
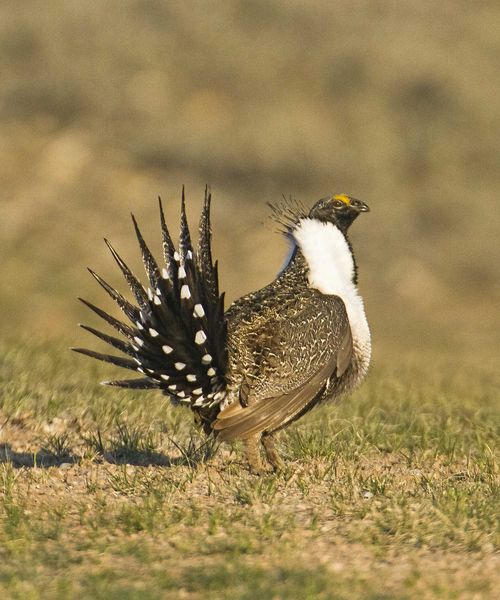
{"x":363,"y":207}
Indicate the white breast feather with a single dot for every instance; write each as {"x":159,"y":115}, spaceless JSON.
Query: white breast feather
{"x":331,"y":269}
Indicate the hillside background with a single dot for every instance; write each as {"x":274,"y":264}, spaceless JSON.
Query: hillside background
{"x":105,"y":105}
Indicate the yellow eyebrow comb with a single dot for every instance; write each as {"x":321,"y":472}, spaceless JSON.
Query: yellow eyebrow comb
{"x":343,"y":198}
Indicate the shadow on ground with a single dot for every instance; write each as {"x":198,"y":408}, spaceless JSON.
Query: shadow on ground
{"x":115,"y":456}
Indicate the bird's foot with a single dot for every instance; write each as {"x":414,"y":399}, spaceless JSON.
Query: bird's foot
{"x":273,"y":458}
{"x":255,"y":463}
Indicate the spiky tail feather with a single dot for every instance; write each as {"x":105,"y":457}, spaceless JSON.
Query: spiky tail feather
{"x":177,"y":339}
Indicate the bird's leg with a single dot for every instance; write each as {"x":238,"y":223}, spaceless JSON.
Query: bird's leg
{"x":252,"y":450}
{"x":273,"y":458}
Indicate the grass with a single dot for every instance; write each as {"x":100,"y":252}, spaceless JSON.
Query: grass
{"x":104,"y":494}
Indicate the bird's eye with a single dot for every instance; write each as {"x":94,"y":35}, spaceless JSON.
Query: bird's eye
{"x":338,"y":204}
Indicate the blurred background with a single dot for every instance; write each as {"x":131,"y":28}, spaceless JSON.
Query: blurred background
{"x":106,"y":105}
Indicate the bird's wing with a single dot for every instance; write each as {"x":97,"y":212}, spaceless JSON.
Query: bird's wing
{"x":295,"y":356}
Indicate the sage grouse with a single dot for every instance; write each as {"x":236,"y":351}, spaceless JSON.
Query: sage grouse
{"x":273,"y":355}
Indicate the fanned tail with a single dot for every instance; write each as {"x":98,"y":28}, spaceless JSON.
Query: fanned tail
{"x":177,"y":336}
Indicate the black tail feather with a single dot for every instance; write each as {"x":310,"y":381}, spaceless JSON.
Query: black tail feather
{"x":185,"y":248}
{"x":122,"y":328}
{"x":150,"y":265}
{"x":112,"y":341}
{"x":135,"y":286}
{"x":134,"y":384}
{"x":208,"y":272}
{"x":128,"y":309}
{"x":168,"y":245}
{"x":179,"y":335}
{"x":125,"y":363}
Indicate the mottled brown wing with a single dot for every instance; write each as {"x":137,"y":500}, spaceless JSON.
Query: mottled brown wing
{"x":302,"y":349}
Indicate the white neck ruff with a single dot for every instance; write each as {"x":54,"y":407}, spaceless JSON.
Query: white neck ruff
{"x":331,"y":271}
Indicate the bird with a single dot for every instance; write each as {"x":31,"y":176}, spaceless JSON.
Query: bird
{"x":251,"y":370}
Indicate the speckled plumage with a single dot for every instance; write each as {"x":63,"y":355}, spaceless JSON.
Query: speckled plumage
{"x":277,"y":339}
{"x":273,"y":355}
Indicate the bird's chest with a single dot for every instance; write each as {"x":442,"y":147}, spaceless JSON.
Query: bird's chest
{"x":331,"y":271}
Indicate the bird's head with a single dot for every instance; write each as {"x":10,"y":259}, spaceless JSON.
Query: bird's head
{"x":340,"y":209}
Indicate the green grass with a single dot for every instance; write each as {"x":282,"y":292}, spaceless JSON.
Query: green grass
{"x":104,"y":494}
